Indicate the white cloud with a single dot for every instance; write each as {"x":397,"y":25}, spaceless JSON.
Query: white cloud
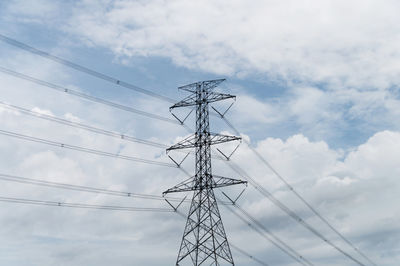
{"x":354,"y":191}
{"x":40,"y":12}
{"x":342,"y":43}
{"x":332,"y":181}
{"x":336,"y":65}
{"x":384,"y":145}
{"x":332,"y":42}
{"x":250,"y":110}
{"x":43,"y":112}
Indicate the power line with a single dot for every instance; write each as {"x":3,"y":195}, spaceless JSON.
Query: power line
{"x":94,"y":190}
{"x":302,"y":199}
{"x":83,"y":69}
{"x":65,"y":145}
{"x":81,"y":205}
{"x":248,"y":255}
{"x":90,"y":128}
{"x":91,"y":72}
{"x":257,"y":230}
{"x":289,"y":212}
{"x":275,"y":241}
{"x":82,"y":149}
{"x":41,"y":182}
{"x":83,"y":126}
{"x":141,"y":112}
{"x":110,"y":208}
{"x":87,"y":96}
{"x":156,"y":95}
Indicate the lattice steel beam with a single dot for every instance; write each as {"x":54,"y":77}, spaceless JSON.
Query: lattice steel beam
{"x":204,"y":241}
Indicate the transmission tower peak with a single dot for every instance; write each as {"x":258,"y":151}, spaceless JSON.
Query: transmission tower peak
{"x":204,"y":240}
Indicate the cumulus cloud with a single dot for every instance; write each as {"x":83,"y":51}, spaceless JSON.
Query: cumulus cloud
{"x":355,"y":191}
{"x":333,"y":181}
{"x":339,"y":70}
{"x":339,"y":60}
{"x":48,"y":236}
{"x":341,"y":43}
{"x":342,"y":186}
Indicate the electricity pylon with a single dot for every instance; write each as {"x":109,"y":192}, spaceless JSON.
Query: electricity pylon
{"x":204,"y":241}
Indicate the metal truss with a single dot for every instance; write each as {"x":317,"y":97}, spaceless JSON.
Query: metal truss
{"x":193,"y":141}
{"x":204,"y":241}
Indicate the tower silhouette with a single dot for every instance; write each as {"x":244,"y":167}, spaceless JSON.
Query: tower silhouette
{"x":204,"y":240}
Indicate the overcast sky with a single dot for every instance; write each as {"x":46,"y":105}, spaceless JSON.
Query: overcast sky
{"x":317,"y":85}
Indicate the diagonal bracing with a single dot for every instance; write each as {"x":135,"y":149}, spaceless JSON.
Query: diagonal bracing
{"x":204,"y":240}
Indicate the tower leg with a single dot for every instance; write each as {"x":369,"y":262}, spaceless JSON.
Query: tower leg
{"x":204,"y":241}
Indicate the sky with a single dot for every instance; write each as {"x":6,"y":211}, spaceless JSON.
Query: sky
{"x":317,"y":86}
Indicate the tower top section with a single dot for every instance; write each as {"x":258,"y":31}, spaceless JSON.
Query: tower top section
{"x":205,"y":84}
{"x":202,"y":92}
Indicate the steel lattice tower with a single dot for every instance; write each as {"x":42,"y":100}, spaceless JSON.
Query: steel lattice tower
{"x":204,"y":241}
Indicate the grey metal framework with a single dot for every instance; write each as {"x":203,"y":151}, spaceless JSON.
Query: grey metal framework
{"x":204,"y":241}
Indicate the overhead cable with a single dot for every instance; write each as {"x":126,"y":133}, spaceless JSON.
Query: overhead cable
{"x":302,"y":199}
{"x":90,"y":128}
{"x":75,"y":147}
{"x":82,"y":149}
{"x":87,"y":96}
{"x":81,"y":205}
{"x":276,"y":241}
{"x":156,"y":95}
{"x":289,"y":212}
{"x":83,"y":69}
{"x":248,"y":255}
{"x":83,"y":126}
{"x":45,"y":183}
